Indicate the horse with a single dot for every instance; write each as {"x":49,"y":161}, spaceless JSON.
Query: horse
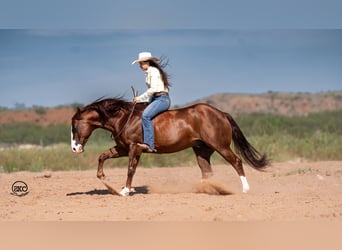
{"x":201,"y":126}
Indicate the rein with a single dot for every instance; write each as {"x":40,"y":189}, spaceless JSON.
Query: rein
{"x":123,"y":128}
{"x":135,"y":93}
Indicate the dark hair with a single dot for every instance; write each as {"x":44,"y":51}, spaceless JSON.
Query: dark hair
{"x":163,"y":62}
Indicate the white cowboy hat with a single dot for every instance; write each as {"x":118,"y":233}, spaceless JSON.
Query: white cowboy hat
{"x":145,"y":56}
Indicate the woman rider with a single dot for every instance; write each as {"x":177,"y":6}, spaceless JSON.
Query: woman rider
{"x":157,"y":94}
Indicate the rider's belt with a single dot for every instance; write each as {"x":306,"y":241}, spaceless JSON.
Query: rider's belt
{"x":160,"y":93}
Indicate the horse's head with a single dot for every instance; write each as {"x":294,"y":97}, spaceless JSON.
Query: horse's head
{"x":97,"y":115}
{"x":82,"y":125}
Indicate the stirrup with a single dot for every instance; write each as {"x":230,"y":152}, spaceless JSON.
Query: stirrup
{"x":146,"y":148}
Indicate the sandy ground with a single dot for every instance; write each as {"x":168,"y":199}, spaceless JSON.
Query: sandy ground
{"x":291,"y":191}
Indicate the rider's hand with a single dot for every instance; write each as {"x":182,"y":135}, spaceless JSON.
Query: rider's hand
{"x":135,"y":99}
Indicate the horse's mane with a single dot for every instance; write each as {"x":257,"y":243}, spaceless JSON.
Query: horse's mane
{"x":106,"y":107}
{"x":109,"y":104}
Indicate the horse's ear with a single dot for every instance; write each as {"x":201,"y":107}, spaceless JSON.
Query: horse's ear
{"x":77,"y":110}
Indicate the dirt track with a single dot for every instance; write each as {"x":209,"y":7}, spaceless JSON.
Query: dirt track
{"x":291,"y":191}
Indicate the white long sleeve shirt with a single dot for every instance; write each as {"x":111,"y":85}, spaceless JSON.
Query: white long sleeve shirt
{"x":154,"y":84}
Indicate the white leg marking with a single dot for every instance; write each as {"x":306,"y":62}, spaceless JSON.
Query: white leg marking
{"x":245,"y":185}
{"x":124,"y":191}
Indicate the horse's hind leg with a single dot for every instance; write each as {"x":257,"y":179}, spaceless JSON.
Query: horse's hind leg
{"x":236,"y":162}
{"x":203,"y":154}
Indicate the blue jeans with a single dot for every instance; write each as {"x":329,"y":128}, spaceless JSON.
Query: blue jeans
{"x":158,"y":105}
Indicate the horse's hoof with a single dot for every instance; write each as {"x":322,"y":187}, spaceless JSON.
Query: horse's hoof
{"x":124,"y":191}
{"x":101,"y":177}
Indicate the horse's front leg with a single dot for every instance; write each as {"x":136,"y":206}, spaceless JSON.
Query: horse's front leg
{"x":113,"y":152}
{"x":134,"y":157}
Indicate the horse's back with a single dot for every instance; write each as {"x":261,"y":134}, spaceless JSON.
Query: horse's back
{"x":196,"y":122}
{"x":198,"y":110}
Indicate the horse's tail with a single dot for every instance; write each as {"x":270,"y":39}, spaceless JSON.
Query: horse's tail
{"x":245,"y":149}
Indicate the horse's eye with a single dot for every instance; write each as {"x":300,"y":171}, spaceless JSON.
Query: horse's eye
{"x":73,"y":129}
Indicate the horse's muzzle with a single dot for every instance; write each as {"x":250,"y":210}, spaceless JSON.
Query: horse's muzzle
{"x":76,"y":148}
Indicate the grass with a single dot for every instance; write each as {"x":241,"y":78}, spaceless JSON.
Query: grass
{"x":282,"y":148}
{"x":61,"y":158}
{"x":319,"y":146}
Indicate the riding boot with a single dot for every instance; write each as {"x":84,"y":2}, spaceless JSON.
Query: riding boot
{"x":146,"y":148}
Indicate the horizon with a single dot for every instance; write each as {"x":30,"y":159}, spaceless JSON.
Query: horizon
{"x":23,"y":106}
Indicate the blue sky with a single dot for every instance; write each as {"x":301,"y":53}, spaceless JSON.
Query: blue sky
{"x":76,"y":51}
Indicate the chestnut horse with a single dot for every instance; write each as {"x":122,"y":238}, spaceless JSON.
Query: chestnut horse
{"x":200,"y":126}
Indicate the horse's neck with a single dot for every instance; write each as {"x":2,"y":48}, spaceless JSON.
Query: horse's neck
{"x":117,"y":122}
{"x":122,"y":119}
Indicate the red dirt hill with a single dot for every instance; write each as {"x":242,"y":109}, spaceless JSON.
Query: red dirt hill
{"x":273,"y":102}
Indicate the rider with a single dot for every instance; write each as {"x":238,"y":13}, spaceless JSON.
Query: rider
{"x":157,"y":95}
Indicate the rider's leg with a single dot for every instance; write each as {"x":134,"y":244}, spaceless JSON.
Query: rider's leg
{"x":158,"y":105}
